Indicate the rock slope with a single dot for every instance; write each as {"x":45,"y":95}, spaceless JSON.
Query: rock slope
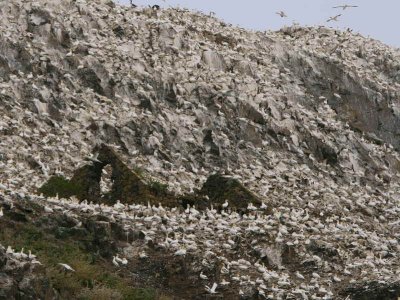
{"x":305,"y":118}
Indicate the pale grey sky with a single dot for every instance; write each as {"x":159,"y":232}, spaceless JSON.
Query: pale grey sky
{"x":376,"y":18}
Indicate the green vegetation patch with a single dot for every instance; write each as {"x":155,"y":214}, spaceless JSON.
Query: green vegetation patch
{"x":93,"y":277}
{"x":58,"y":185}
{"x":220,"y":188}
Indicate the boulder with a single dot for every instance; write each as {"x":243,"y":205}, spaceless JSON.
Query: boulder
{"x":219,"y":188}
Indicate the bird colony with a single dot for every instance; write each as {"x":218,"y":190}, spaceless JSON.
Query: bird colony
{"x":306,"y":118}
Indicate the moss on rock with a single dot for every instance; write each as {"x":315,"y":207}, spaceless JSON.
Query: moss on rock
{"x":128,"y":186}
{"x":219,"y":188}
{"x":93,"y":273}
{"x":59,"y":185}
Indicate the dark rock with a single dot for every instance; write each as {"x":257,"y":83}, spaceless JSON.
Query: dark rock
{"x":249,"y":112}
{"x":209,"y":144}
{"x":17,"y":216}
{"x":118,"y":31}
{"x":322,"y":151}
{"x":323,"y":249}
{"x":220,"y":188}
{"x":22,"y":280}
{"x":89,"y":78}
{"x":38,"y":17}
{"x":372,"y":291}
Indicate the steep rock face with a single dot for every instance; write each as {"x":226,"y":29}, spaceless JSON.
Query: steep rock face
{"x":373,"y":291}
{"x":359,"y":100}
{"x":303,"y":119}
{"x":173,"y":96}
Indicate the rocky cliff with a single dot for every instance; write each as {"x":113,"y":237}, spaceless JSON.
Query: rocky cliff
{"x":168,"y":151}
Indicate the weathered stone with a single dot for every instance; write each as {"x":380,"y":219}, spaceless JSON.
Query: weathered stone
{"x":372,"y":291}
{"x":220,"y":188}
{"x":127,"y":186}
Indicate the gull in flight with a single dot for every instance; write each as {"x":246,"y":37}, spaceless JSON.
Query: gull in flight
{"x":345,"y":6}
{"x":335,"y":18}
{"x":281,"y":14}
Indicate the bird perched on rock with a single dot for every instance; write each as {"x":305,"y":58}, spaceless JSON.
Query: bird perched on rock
{"x":115,"y":262}
{"x":202,"y":276}
{"x":226,"y":204}
{"x":93,"y":158}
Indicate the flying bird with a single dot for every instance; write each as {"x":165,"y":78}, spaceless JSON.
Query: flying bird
{"x":335,"y":18}
{"x":345,"y":6}
{"x":281,"y":14}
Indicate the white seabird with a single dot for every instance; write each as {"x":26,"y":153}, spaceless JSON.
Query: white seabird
{"x":334,"y":18}
{"x":66,"y":267}
{"x":345,"y":6}
{"x":281,"y":14}
{"x":212,"y":289}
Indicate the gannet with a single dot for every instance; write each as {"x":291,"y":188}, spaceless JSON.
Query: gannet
{"x":335,"y":18}
{"x":180,"y":252}
{"x":202,"y":276}
{"x":93,"y":158}
{"x":281,"y":14}
{"x":66,"y":267}
{"x":30,"y":255}
{"x":115,"y":262}
{"x":298,"y":275}
{"x":212,"y":289}
{"x":224,"y":282}
{"x":345,"y":6}
{"x":48,"y":209}
{"x":225,"y":205}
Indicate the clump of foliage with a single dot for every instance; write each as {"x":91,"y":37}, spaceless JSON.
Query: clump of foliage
{"x":58,"y":185}
{"x":158,"y":188}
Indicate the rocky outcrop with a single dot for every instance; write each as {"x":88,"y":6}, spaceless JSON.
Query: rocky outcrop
{"x":220,"y":188}
{"x":373,"y":291}
{"x":302,"y":123}
{"x":22,"y":279}
{"x":126,"y":185}
{"x":358,"y":100}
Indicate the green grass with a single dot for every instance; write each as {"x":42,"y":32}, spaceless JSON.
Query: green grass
{"x":59,"y":185}
{"x":93,"y":278}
